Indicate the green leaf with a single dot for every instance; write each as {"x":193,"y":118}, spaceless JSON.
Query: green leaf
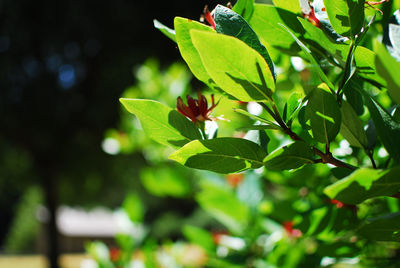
{"x":352,"y":129}
{"x":365,"y":183}
{"x":188,"y":51}
{"x":165,"y":181}
{"x":289,"y":5}
{"x":259,"y":127}
{"x":384,"y":228}
{"x":315,"y":65}
{"x":236,"y":68}
{"x":292,"y":105}
{"x":324,"y":114}
{"x":223,"y":205}
{"x":353,"y":96}
{"x":350,"y":67}
{"x":319,"y":220}
{"x":161,"y":123}
{"x":222,"y":155}
{"x":388,"y":68}
{"x":244,"y":8}
{"x":388,"y":130}
{"x":265,"y":22}
{"x":366,"y":66}
{"x":230,"y":23}
{"x":266,"y":121}
{"x":199,"y":237}
{"x":170,"y":33}
{"x":133,"y":207}
{"x":346,"y":16}
{"x":317,"y":40}
{"x":291,"y":156}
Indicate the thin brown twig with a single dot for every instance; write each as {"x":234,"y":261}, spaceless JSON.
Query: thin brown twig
{"x":326,"y":158}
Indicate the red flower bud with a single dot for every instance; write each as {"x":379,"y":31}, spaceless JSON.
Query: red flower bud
{"x":209,"y":17}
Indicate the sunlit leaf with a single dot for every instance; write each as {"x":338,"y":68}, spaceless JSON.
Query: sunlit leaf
{"x":352,"y":128}
{"x":315,"y":64}
{"x":324,"y":114}
{"x":161,"y":123}
{"x":222,"y":155}
{"x":290,"y":5}
{"x":265,"y":22}
{"x":244,"y":8}
{"x":170,"y":33}
{"x":289,"y":157}
{"x":365,"y":183}
{"x":188,"y":51}
{"x":388,"y":68}
{"x":346,"y":16}
{"x":387,"y":129}
{"x":230,"y":23}
{"x":236,"y":68}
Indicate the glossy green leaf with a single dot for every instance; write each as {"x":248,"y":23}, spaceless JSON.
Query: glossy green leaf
{"x":199,"y":237}
{"x":236,"y":68}
{"x":230,"y":23}
{"x":265,"y":22}
{"x":346,"y":16}
{"x":366,"y":66}
{"x":259,"y":127}
{"x":255,"y":117}
{"x":161,"y":123}
{"x":353,"y":96}
{"x":188,"y":51}
{"x":222,"y":155}
{"x":383,"y":228}
{"x":292,"y":105}
{"x":170,"y":33}
{"x":318,"y":42}
{"x":388,"y":68}
{"x":352,"y":128}
{"x":349,"y":68}
{"x":244,"y":8}
{"x":365,"y":183}
{"x":315,"y":64}
{"x":291,"y":156}
{"x":225,"y":207}
{"x":387,"y":129}
{"x":324,"y":114}
{"x":290,"y":5}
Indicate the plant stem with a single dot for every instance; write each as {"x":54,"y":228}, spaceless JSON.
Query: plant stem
{"x":372,"y":159}
{"x":326,"y":158}
{"x":268,"y":110}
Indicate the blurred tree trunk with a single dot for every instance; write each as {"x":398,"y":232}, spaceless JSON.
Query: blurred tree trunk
{"x":50,"y":191}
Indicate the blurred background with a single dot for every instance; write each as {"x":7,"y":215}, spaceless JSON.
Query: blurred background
{"x":63,"y":67}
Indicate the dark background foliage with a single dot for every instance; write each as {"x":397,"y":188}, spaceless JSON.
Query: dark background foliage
{"x":63,"y":67}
